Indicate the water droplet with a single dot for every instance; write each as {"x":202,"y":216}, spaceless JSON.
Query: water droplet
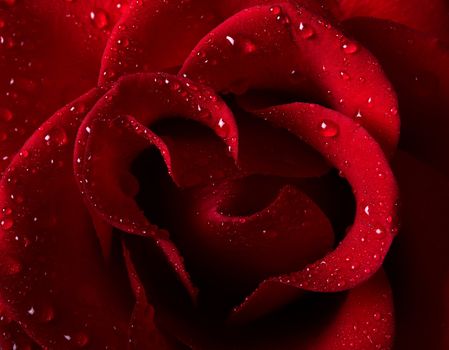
{"x":59,"y":136}
{"x":7,"y":211}
{"x":81,"y":339}
{"x":31,"y":311}
{"x":2,"y":23}
{"x":12,"y":267}
{"x":359,"y":114}
{"x":377,"y":316}
{"x":379,"y":231}
{"x":276,"y":10}
{"x":230,"y":39}
{"x":7,"y":223}
{"x":328,"y":128}
{"x":306,"y":31}
{"x":124,"y":42}
{"x":394,"y":111}
{"x":366,"y":210}
{"x":349,"y":47}
{"x":248,"y":46}
{"x":344,"y":75}
{"x":99,"y":18}
{"x":389,"y":219}
{"x":5,"y":114}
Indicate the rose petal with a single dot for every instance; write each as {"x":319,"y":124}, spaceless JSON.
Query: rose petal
{"x":363,"y":320}
{"x":271,"y":151}
{"x":123,"y":114}
{"x":41,"y":50}
{"x":431,"y":17}
{"x":114,"y":133}
{"x":143,"y":331}
{"x":346,"y":145}
{"x":157,"y":36}
{"x":13,"y":335}
{"x":239,"y":232}
{"x":417,"y":65}
{"x":419,"y":264}
{"x":53,"y":277}
{"x":266,"y":47}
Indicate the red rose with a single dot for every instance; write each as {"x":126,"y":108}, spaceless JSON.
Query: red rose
{"x":229,"y":179}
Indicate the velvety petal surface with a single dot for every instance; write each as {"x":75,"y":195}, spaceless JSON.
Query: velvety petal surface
{"x":430,"y":17}
{"x":50,"y":52}
{"x":54,"y":281}
{"x":280,"y":47}
{"x":366,"y":243}
{"x":418,"y":265}
{"x":157,"y":36}
{"x":418,"y":66}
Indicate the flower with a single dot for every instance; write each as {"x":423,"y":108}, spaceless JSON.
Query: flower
{"x":223,"y":175}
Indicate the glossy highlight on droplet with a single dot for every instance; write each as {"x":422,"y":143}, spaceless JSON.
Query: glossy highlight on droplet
{"x":328,"y":128}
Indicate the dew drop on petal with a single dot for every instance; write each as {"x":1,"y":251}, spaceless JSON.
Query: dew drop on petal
{"x":344,"y":75}
{"x":6,"y":115}
{"x":275,"y":10}
{"x":230,"y":39}
{"x":124,"y":42}
{"x":81,"y":339}
{"x":59,"y":136}
{"x":99,"y":18}
{"x":366,"y":210}
{"x":12,"y":267}
{"x":7,"y":223}
{"x":350,"y":47}
{"x":328,"y":128}
{"x":248,"y":46}
{"x":306,"y":31}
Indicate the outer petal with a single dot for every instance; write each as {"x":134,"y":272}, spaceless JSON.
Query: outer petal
{"x":364,"y":320}
{"x":53,"y":281}
{"x":50,"y":53}
{"x":100,"y":162}
{"x":366,"y":243}
{"x":114,"y":133}
{"x":431,"y":17}
{"x":419,"y":263}
{"x":12,"y":335}
{"x":143,"y":331}
{"x":418,"y":66}
{"x":280,"y":47}
{"x":158,"y":35}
